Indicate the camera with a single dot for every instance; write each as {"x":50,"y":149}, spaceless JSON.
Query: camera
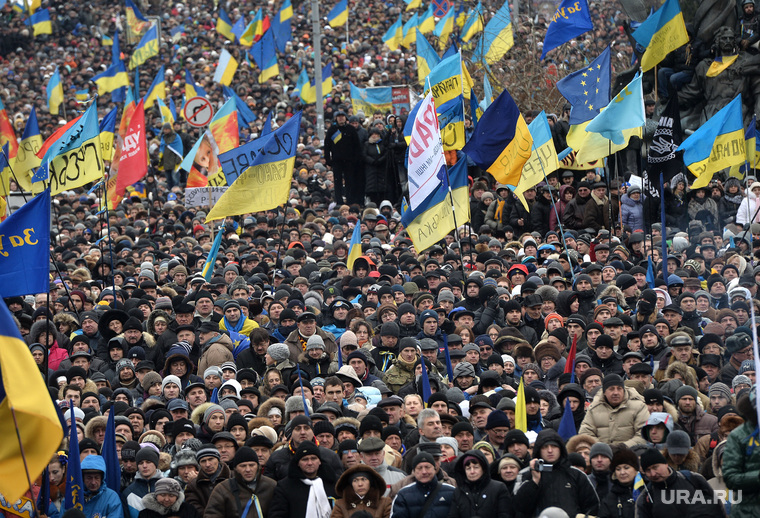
{"x":541,"y":466}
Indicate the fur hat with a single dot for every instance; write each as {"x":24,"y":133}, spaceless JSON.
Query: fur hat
{"x":624,"y":456}
{"x":544,"y":349}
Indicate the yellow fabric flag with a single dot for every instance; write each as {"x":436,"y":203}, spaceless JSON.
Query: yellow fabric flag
{"x":521,"y":413}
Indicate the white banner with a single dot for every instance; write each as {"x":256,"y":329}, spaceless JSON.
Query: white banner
{"x":426,"y":158}
{"x":199,"y":196}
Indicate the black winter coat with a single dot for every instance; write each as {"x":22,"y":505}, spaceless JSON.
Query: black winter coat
{"x":291,"y":496}
{"x":650,"y":503}
{"x":618,"y":502}
{"x":376,"y":177}
{"x":484,"y":498}
{"x":411,"y":499}
{"x":540,"y":215}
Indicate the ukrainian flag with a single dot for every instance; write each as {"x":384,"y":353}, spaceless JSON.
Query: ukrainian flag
{"x":224,"y":25}
{"x":309,"y":91}
{"x":166,"y":114}
{"x":208,"y":267}
{"x":354,"y":247}
{"x":751,"y":144}
{"x":82,"y":95}
{"x":445,"y":81}
{"x":286,"y":11}
{"x":245,"y":115}
{"x":264,"y":53}
{"x":266,"y":184}
{"x":26,"y":158}
{"x":497,"y":37}
{"x":501,"y":143}
{"x":146,"y":49}
{"x":192,"y":89}
{"x":303,"y":80}
{"x":427,"y":57}
{"x":717,"y":144}
{"x":437,"y":207}
{"x":473,"y":25}
{"x":395,"y":34}
{"x":338,"y":15}
{"x":427,"y":21}
{"x":521,"y":412}
{"x":54,"y":93}
{"x":661,"y":33}
{"x":7,"y":133}
{"x":543,"y":158}
{"x":443,"y":29}
{"x":26,"y":410}
{"x":157,"y":89}
{"x":114,"y":77}
{"x":225,"y":69}
{"x":107,"y":129}
{"x":412,"y":4}
{"x":40,"y":22}
{"x":135,"y":19}
{"x":410,"y":31}
{"x":106,"y":40}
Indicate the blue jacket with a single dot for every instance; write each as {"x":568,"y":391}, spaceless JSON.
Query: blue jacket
{"x":335,"y":330}
{"x":138,"y":489}
{"x":105,"y":503}
{"x":633,"y":212}
{"x":411,"y":499}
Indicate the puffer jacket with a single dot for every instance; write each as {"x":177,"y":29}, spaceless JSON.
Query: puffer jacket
{"x":741,"y":470}
{"x":564,"y":487}
{"x":411,"y":499}
{"x":230,"y":497}
{"x":621,"y":424}
{"x":216,"y":351}
{"x":486,"y":497}
{"x":103,"y":502}
{"x":137,"y":490}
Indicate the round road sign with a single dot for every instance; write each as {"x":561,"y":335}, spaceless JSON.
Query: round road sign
{"x":198,"y":111}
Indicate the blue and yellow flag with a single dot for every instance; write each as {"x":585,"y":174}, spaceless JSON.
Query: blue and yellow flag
{"x":166,"y":114}
{"x":25,"y":248}
{"x":54,"y":93}
{"x":410,"y":31}
{"x":587,"y":89}
{"x":146,"y":49}
{"x":719,"y":64}
{"x":445,"y":81}
{"x":354,"y":247}
{"x":208,"y":267}
{"x":309,"y":90}
{"x":40,"y":22}
{"x":625,"y":111}
{"x":570,"y":20}
{"x":543,"y":158}
{"x":191,"y":88}
{"x":136,"y":22}
{"x":24,"y":398}
{"x":106,"y":40}
{"x":661,"y":33}
{"x":82,"y":95}
{"x":157,"y":89}
{"x":266,"y":184}
{"x":427,"y":57}
{"x":75,"y":158}
{"x":717,"y":144}
{"x":412,"y":4}
{"x":427,"y":21}
{"x":443,"y":29}
{"x":238,"y":28}
{"x":286,"y":11}
{"x":501,"y":143}
{"x":303,"y":80}
{"x":107,"y":129}
{"x":395,"y":34}
{"x":245,"y":115}
{"x":437,"y":207}
{"x":497,"y":37}
{"x":114,"y":77}
{"x":26,"y":158}
{"x":371,"y":100}
{"x":473,"y":25}
{"x":338,"y":15}
{"x":487,"y":94}
{"x":224,"y":25}
{"x":225,"y":69}
{"x":264,"y":53}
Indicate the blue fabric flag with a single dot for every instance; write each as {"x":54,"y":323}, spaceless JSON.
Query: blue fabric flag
{"x":267,"y":128}
{"x":566,"y":427}
{"x":577,"y":89}
{"x":449,"y":368}
{"x":650,"y":273}
{"x":110,"y":456}
{"x":426,"y":393}
{"x":570,"y":20}
{"x":25,"y":248}
{"x":74,"y":486}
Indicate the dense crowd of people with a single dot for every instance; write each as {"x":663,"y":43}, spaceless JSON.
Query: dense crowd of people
{"x":298,"y":380}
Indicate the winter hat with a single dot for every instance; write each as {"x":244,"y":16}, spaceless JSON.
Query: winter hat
{"x":147,"y":453}
{"x":678,"y":442}
{"x":304,"y":449}
{"x":207,"y":450}
{"x":245,"y":454}
{"x":740,"y":379}
{"x":315,"y":342}
{"x":210,"y":411}
{"x":370,"y":423}
{"x":323,"y":427}
{"x":236,"y":420}
{"x":278,"y":352}
{"x":686,"y":390}
{"x":124,"y":363}
{"x":213,"y":371}
{"x":464,"y":369}
{"x":737,"y":342}
{"x":420,"y":458}
{"x":624,"y":456}
{"x":168,"y":486}
{"x":497,"y":419}
{"x":600,"y":448}
{"x":612,"y":380}
{"x":132,"y":323}
{"x":171,"y":379}
{"x":651,"y":457}
{"x":720,"y":389}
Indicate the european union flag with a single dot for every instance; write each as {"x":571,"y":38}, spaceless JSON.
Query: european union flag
{"x":587,"y":89}
{"x":570,"y":20}
{"x":24,"y":248}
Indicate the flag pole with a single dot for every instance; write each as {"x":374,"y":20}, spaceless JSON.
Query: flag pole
{"x":110,"y":239}
{"x":23,"y":457}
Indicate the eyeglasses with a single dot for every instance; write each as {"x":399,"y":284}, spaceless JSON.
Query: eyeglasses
{"x":486,"y":348}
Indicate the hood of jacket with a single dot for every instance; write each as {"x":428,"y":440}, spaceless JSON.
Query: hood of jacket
{"x":150,"y":502}
{"x":460,"y":475}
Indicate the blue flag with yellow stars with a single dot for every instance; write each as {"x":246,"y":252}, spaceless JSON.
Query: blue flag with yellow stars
{"x":587,"y":89}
